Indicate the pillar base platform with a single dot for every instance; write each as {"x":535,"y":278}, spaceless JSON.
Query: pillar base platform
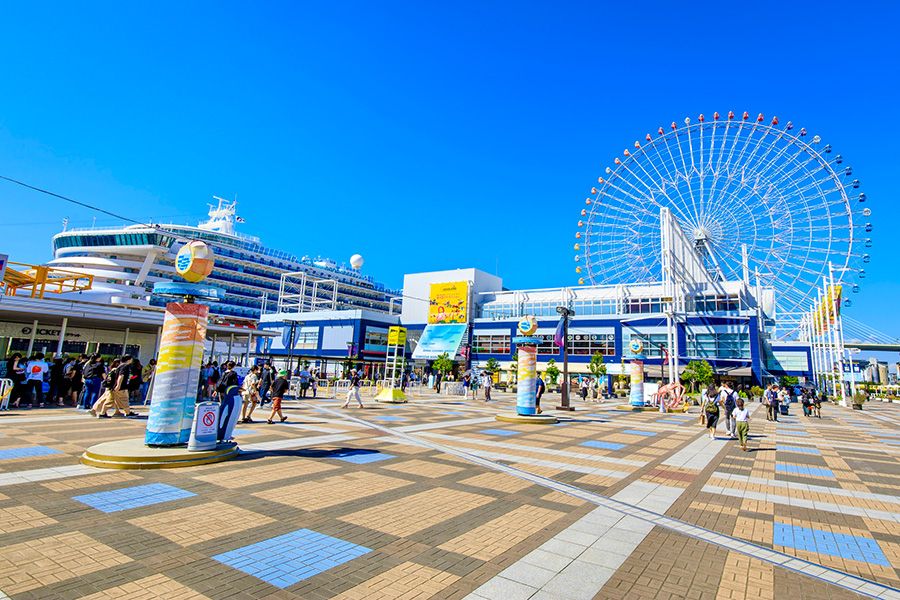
{"x":542,"y":419}
{"x":134,"y":454}
{"x":391,"y":396}
{"x":638,"y":408}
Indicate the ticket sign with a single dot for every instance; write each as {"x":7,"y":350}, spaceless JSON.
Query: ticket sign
{"x":177,"y":375}
{"x":397,"y":336}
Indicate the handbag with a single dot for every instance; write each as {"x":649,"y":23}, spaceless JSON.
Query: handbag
{"x":703,"y":417}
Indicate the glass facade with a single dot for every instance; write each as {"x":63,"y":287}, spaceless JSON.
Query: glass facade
{"x":719,"y":345}
{"x":653,"y":343}
{"x":490,"y":344}
{"x":118,"y":239}
{"x":588,"y":344}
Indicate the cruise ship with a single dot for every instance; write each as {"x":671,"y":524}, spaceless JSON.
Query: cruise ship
{"x":127,"y":261}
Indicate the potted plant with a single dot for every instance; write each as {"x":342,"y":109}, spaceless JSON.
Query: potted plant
{"x":552,"y":374}
{"x":756,"y":393}
{"x":858,"y":398}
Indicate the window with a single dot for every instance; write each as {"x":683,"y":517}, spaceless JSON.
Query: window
{"x":597,"y":306}
{"x":491,"y":344}
{"x":720,"y":303}
{"x":643,"y":305}
{"x":548,"y":346}
{"x":588,"y":344}
{"x":306,"y":338}
{"x":719,"y":345}
{"x":376,"y":340}
{"x":498,"y":310}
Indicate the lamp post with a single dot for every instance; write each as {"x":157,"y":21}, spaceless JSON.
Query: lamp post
{"x":565,"y":312}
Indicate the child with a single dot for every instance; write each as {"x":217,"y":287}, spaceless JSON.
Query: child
{"x":742,"y":418}
{"x":279,"y":387}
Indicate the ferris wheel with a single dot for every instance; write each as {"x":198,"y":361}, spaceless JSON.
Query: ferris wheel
{"x":731,"y":183}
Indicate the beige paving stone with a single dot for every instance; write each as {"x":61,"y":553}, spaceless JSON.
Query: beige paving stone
{"x":19,"y":518}
{"x":561,"y":498}
{"x":200,"y":523}
{"x":423,"y":468}
{"x":499,"y":482}
{"x":263,"y":473}
{"x":155,"y":586}
{"x":407,"y":581}
{"x":36,"y":563}
{"x":331,"y":491}
{"x":77,"y":483}
{"x":499,"y":535}
{"x":420,"y":511}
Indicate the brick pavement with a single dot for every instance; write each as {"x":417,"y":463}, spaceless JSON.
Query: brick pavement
{"x":328,"y":508}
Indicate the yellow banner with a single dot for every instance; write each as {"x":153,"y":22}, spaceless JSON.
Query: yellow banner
{"x":830,"y":308}
{"x":397,"y":336}
{"x":448,"y":302}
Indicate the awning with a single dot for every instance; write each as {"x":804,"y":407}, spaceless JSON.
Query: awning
{"x":438,"y":339}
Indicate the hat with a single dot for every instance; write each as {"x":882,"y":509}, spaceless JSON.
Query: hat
{"x":282,"y":372}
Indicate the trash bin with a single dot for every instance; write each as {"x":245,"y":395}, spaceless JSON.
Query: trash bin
{"x":783,"y":408}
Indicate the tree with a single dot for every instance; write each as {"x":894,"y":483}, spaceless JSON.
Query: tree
{"x":443,"y":364}
{"x":597,"y":367}
{"x":492,"y":366}
{"x":697,"y":372}
{"x":552,"y":372}
{"x":789,"y":380}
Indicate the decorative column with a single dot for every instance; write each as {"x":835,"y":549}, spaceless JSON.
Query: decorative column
{"x":526,"y":391}
{"x":636,"y":396}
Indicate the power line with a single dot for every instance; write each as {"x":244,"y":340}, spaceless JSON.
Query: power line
{"x":72,"y":200}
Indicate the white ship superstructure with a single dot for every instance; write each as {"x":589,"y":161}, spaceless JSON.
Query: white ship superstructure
{"x":127,"y":261}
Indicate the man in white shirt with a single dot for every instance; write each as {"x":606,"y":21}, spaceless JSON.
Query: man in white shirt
{"x":35,"y":371}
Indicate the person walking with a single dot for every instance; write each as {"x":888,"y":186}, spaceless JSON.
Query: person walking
{"x":771,"y":402}
{"x":117,"y":396}
{"x":134,"y":381}
{"x":583,"y":388}
{"x":146,"y":377}
{"x":279,"y":388}
{"x":93,"y":381}
{"x":709,"y":408}
{"x":57,"y":381}
{"x":109,"y":380}
{"x":741,"y":417}
{"x":250,"y":394}
{"x":314,"y":382}
{"x":265,"y":382}
{"x":303,"y":374}
{"x":783,"y":400}
{"x":75,"y":378}
{"x":353,"y":391}
{"x":486,"y":382}
{"x":35,"y":372}
{"x":819,"y":399}
{"x":539,"y":391}
{"x":15,"y":371}
{"x":729,"y":399}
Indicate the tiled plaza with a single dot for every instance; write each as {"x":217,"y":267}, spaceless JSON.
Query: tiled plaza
{"x":437,"y":499}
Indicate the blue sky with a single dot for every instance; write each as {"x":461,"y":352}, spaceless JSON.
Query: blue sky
{"x":422,"y":136}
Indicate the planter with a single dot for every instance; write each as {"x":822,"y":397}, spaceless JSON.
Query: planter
{"x":857,"y":407}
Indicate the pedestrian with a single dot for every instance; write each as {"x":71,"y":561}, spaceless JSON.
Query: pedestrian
{"x":583,"y":388}
{"x":540,"y":388}
{"x":474,"y":384}
{"x":353,"y":390}
{"x":35,"y":372}
{"x":806,"y":400}
{"x":75,"y":378}
{"x":279,"y":388}
{"x":134,"y":381}
{"x":741,"y":417}
{"x":265,"y":382}
{"x":212,"y":381}
{"x":729,"y":399}
{"x":709,"y":408}
{"x":109,"y":380}
{"x":303,"y":374}
{"x":783,"y":400}
{"x":250,"y":394}
{"x":314,"y":382}
{"x":93,"y":381}
{"x":771,"y":402}
{"x":820,"y":399}
{"x":228,"y":379}
{"x":487,"y":381}
{"x":466,"y":382}
{"x":146,"y":378}
{"x":117,"y":397}
{"x":15,"y":371}
{"x":57,"y":381}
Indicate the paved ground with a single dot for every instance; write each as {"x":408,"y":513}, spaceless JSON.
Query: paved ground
{"x":435,"y":499}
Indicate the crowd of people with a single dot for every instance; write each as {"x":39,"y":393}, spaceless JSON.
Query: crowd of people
{"x":78,"y":381}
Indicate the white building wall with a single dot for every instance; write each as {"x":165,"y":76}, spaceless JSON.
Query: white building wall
{"x":417,"y":287}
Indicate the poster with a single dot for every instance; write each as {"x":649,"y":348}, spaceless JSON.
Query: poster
{"x":448,"y":303}
{"x":397,"y":336}
{"x":177,"y":374}
{"x":439,"y":339}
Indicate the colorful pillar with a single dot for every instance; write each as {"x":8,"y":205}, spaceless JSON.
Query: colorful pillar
{"x":526,"y":392}
{"x":177,"y":374}
{"x":637,"y":383}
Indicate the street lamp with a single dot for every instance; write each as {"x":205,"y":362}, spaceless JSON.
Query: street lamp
{"x":565,"y":312}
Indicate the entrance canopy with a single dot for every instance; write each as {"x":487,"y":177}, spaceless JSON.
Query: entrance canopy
{"x":438,"y":339}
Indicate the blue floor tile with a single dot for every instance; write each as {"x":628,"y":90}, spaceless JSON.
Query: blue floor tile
{"x":848,"y":547}
{"x":360,"y":457}
{"x":639,"y":432}
{"x":499,"y":432}
{"x":288,"y":559}
{"x":133,"y":497}
{"x":390,"y":418}
{"x":804,"y":470}
{"x":798,"y":449}
{"x":27,"y":452}
{"x":603,"y":445}
{"x":245,"y":432}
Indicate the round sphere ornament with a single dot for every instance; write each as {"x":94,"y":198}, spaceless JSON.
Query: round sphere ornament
{"x":194,"y":261}
{"x":636,"y":346}
{"x":528,"y":325}
{"x":356,"y":261}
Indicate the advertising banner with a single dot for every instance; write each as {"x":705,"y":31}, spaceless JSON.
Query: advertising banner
{"x":448,"y":302}
{"x":397,"y":336}
{"x":438,"y":339}
{"x":829,"y":309}
{"x":177,"y":374}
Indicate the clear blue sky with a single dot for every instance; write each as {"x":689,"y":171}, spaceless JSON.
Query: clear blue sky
{"x":422,"y":136}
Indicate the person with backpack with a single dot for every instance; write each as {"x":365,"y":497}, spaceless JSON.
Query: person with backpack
{"x":250,"y":394}
{"x":228,"y":379}
{"x":35,"y":372}
{"x":729,"y":401}
{"x":709,"y":409}
{"x":93,"y":374}
{"x":265,"y":382}
{"x":539,"y":391}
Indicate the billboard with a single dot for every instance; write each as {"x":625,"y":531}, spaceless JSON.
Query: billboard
{"x":439,"y":339}
{"x":397,"y":336}
{"x":448,"y":303}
